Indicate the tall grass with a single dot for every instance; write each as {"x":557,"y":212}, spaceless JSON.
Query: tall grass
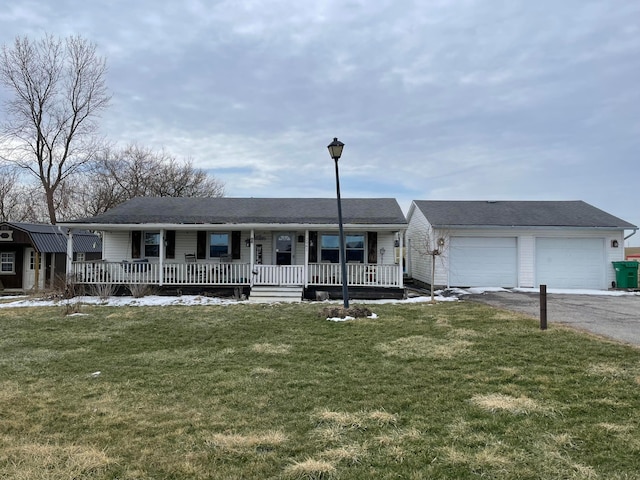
{"x":442,"y":391}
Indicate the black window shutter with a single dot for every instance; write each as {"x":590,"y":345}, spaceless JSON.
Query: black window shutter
{"x":372,"y":240}
{"x":235,"y":244}
{"x":313,"y":247}
{"x":170,"y":251}
{"x":201,"y":246}
{"x":136,"y":240}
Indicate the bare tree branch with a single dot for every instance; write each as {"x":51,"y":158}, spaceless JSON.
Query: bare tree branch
{"x":135,"y":171}
{"x":58,"y":90}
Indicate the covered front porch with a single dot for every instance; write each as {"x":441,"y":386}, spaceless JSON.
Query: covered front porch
{"x":229,"y":244}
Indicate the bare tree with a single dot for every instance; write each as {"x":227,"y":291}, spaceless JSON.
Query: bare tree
{"x":427,"y":245}
{"x":57,"y":91}
{"x":9,"y":194}
{"x":136,"y":171}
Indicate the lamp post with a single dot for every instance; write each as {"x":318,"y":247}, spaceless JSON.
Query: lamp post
{"x":335,"y":150}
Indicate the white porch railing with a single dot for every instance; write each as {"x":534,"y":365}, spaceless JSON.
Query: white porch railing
{"x":358,"y":274}
{"x":201,"y":273}
{"x":171,"y":274}
{"x":278,"y":275}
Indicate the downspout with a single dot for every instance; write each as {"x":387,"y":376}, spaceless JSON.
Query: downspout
{"x":631,"y":234}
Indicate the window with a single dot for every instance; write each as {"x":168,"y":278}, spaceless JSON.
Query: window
{"x":7,"y":262}
{"x":355,"y":248}
{"x":32,"y":260}
{"x":80,"y":257}
{"x":151,"y":244}
{"x":218,"y":245}
{"x":330,"y":248}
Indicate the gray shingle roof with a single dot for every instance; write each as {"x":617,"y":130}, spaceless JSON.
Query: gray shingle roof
{"x":53,"y":239}
{"x":172,"y":210}
{"x":442,"y":213}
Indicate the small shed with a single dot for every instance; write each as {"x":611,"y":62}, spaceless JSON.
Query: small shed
{"x":33,"y":255}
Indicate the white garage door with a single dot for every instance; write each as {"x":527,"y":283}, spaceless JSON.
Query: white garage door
{"x":570,"y":262}
{"x":483,"y":262}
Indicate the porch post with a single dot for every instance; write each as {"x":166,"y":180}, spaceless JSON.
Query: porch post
{"x":161,"y":258}
{"x":69,"y":272}
{"x":306,"y":258}
{"x":400,"y":259}
{"x":252,"y":255}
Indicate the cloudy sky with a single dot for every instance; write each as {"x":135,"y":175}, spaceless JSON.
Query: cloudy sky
{"x":434,"y":99}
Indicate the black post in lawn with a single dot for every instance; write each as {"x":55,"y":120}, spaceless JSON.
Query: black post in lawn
{"x":335,"y":150}
{"x":543,"y":307}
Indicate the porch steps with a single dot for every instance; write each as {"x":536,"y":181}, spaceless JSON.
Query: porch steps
{"x":271,"y":294}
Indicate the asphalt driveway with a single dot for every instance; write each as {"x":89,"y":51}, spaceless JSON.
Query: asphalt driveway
{"x":615,"y":317}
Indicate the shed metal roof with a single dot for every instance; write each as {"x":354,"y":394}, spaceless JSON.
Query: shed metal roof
{"x":53,"y":239}
{"x":575,"y":213}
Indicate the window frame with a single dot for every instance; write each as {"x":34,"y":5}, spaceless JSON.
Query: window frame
{"x":334,"y":252}
{"x":11,"y":262}
{"x":210,"y":245}
{"x":145,"y":244}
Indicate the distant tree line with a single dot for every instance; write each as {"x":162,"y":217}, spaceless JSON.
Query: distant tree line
{"x":53,"y":163}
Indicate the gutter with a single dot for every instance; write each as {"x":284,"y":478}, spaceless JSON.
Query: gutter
{"x":235,"y":226}
{"x":631,"y":234}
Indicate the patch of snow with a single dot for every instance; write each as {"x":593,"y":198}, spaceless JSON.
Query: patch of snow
{"x":340,"y":319}
{"x":151,"y":300}
{"x":448,"y":295}
{"x":609,"y":293}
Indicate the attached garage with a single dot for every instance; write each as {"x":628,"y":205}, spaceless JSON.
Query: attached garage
{"x":570,"y":262}
{"x":561,"y":244}
{"x":483,"y":261}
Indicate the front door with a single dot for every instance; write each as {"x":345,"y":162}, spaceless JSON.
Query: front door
{"x":284,"y":248}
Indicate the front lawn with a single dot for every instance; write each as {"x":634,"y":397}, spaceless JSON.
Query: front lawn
{"x":446,"y":391}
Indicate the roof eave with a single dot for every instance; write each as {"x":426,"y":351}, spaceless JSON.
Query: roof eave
{"x":227,"y":226}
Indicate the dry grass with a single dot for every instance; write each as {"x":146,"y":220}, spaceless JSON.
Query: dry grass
{"x":311,"y":469}
{"x":271,"y":349}
{"x":351,"y":454}
{"x":237,"y":442}
{"x":517,"y":405}
{"x":419,"y":346}
{"x":35,"y":461}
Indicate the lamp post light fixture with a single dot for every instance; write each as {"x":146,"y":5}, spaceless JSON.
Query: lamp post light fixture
{"x":335,"y":150}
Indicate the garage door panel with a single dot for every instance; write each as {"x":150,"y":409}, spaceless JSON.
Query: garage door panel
{"x":570,"y":262}
{"x":483,"y":262}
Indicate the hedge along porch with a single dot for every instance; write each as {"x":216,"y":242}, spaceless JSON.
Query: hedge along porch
{"x":230,"y":243}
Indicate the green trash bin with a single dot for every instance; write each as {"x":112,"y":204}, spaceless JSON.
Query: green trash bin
{"x":626,"y":274}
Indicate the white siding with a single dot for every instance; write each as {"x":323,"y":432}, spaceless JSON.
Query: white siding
{"x":116,"y":246}
{"x":419,"y":232}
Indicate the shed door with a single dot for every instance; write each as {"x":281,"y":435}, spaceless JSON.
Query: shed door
{"x":570,"y":263}
{"x":483,"y":262}
{"x":29,"y":269}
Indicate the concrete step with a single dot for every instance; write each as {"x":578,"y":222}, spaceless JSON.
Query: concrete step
{"x":272,"y":294}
